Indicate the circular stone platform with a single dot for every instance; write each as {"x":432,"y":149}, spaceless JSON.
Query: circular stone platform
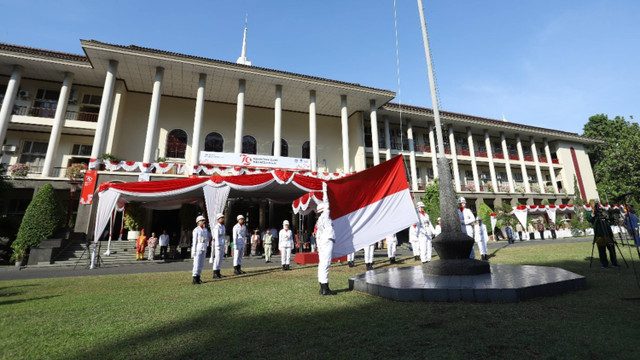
{"x":505,"y":283}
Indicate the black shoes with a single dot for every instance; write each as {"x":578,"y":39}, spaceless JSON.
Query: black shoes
{"x":196,"y":280}
{"x":217,"y":275}
{"x":351,"y":263}
{"x":284,"y":267}
{"x":324,"y":290}
{"x":392,"y":260}
{"x":237,"y":270}
{"x":484,"y":257}
{"x":416,"y":258}
{"x":369,"y":266}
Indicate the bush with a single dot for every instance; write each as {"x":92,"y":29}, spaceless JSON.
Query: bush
{"x":134,"y":217}
{"x":41,"y":219}
{"x":431,"y":200}
{"x":484,"y":211}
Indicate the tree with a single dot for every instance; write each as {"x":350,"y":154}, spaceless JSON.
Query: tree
{"x":431,"y":200}
{"x":41,"y":219}
{"x":484,"y":211}
{"x":134,"y":217}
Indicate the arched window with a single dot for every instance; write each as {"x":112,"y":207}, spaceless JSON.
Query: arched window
{"x":284,"y":148}
{"x":176,"y":144}
{"x":213,"y":142}
{"x":306,"y":153}
{"x":249,"y":145}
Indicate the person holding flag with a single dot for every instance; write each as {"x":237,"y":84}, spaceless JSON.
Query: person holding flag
{"x":325,"y":238}
{"x":425,"y":232}
{"x":392,"y":243}
{"x":466,"y":220}
{"x":413,"y":239}
{"x":368,"y":256}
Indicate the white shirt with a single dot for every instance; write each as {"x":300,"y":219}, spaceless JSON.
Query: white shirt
{"x":437,"y":230}
{"x":218,"y":234}
{"x":466,"y":219}
{"x":325,"y":231}
{"x":480,"y":233}
{"x":424,"y":226}
{"x":164,"y":240}
{"x":392,"y":238}
{"x":413,"y":233}
{"x":201,"y":239}
{"x":285,"y":239}
{"x":239,"y":234}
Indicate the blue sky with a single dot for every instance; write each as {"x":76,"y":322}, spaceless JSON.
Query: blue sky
{"x":545,"y":63}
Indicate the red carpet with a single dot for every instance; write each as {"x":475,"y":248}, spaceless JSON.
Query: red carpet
{"x":312,"y":258}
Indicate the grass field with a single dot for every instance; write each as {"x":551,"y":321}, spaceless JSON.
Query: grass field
{"x":269,"y":314}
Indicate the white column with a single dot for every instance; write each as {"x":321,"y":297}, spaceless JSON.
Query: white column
{"x":8,"y":101}
{"x":277,"y":122}
{"x":474,"y":164}
{"x":434,"y":152}
{"x":344,"y":119}
{"x":412,"y":157}
{"x":239,"y":117}
{"x":507,"y":163}
{"x":313,"y":152}
{"x":492,"y":168}
{"x":534,"y":152}
{"x":552,"y":171}
{"x":374,"y":132}
{"x":454,"y":156}
{"x":197,"y":123}
{"x":152,"y":124}
{"x":523,"y":166}
{"x":58,"y":120}
{"x":105,"y":109}
{"x":387,"y":137}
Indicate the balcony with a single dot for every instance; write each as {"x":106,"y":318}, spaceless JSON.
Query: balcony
{"x":513,"y":157}
{"x":542,"y":159}
{"x":555,"y":161}
{"x":498,"y":155}
{"x":528,"y":158}
{"x":463,"y":152}
{"x":50,"y":113}
{"x":423,"y":148}
{"x":482,"y":154}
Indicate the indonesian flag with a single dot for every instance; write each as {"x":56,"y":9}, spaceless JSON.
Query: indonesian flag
{"x":369,"y":205}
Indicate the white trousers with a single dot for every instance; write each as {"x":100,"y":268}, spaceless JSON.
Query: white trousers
{"x":216,"y":255}
{"x":415,"y":245}
{"x":351,"y":257}
{"x":368,"y":253}
{"x":238,"y":252}
{"x":482,"y":245}
{"x":198,"y":262}
{"x":313,"y":247}
{"x":267,"y":252}
{"x":391,"y":248}
{"x":425,"y":248}
{"x":285,"y":257}
{"x":324,"y":262}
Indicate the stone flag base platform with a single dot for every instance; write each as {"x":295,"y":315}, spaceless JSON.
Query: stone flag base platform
{"x":505,"y":283}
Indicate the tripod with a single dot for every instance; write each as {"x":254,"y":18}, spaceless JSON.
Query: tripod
{"x":601,"y":223}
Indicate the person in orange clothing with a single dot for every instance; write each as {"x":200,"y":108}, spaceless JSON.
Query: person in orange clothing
{"x":141,"y":244}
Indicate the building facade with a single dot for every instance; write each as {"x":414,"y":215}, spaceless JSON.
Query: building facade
{"x":156,"y":111}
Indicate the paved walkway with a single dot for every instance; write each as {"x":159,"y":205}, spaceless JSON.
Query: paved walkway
{"x":13,"y":273}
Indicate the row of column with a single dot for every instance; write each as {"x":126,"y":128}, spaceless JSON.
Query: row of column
{"x":474,"y":167}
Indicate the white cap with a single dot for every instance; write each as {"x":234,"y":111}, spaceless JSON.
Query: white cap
{"x":420,"y":204}
{"x":461,"y":200}
{"x":286,"y":222}
{"x":199,"y":218}
{"x":240,"y":217}
{"x":438,"y":219}
{"x":220,"y":215}
{"x":478,"y":218}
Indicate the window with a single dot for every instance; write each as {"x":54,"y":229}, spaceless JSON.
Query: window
{"x":89,"y":99}
{"x":45,"y":103}
{"x":249,"y":145}
{"x":306,"y":150}
{"x":214,"y":142}
{"x":176,"y":144}
{"x":33,"y":154}
{"x":90,"y":108}
{"x":81,"y":150}
{"x":367,"y":136}
{"x":284,"y":148}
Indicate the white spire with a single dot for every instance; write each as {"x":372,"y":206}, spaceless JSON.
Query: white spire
{"x":504,"y":118}
{"x":243,"y":56}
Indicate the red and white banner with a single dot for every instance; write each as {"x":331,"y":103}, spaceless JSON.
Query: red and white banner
{"x":257,"y":161}
{"x":367,"y":206}
{"x":88,"y":187}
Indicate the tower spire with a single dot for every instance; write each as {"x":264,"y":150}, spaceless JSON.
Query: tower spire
{"x":243,"y":55}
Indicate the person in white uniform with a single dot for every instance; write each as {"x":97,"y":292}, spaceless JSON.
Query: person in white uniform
{"x":325,"y":237}
{"x":239,"y":238}
{"x":392,"y":243}
{"x":481,"y":236}
{"x":425,"y":233}
{"x":351,"y":259}
{"x":201,"y":239}
{"x":285,"y":243}
{"x":217,"y":246}
{"x":466,"y":220}
{"x":368,"y":256}
{"x":438,"y":228}
{"x":413,"y":239}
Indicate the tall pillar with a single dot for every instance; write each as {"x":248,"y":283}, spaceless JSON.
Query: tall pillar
{"x":434,"y":152}
{"x":8,"y":101}
{"x":454,"y":157}
{"x":492,"y":168}
{"x":105,"y":109}
{"x":552,"y":171}
{"x":387,"y":137}
{"x":344,"y":119}
{"x":474,"y":164}
{"x":277,"y":122}
{"x":197,"y":123}
{"x":412,"y":157}
{"x":507,"y":163}
{"x":313,"y":151}
{"x":154,"y":111}
{"x":534,"y":152}
{"x":375,"y":145}
{"x":239,"y":116}
{"x":523,"y":166}
{"x":58,"y":120}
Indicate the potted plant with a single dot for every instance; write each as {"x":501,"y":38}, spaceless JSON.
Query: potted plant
{"x":19,"y":170}
{"x":133,"y":220}
{"x":75,"y":172}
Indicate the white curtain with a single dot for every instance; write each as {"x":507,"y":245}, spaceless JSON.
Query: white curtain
{"x":215,"y":198}
{"x":106,"y":204}
{"x":551,"y":213}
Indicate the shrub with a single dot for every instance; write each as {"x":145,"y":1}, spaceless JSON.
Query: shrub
{"x":76,"y":171}
{"x":431,"y":200}
{"x":134,"y":217}
{"x":109,"y":157}
{"x":484,"y":211}
{"x":41,"y":219}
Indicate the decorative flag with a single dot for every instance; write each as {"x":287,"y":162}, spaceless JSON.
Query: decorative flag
{"x":494,"y":221}
{"x":367,"y":206}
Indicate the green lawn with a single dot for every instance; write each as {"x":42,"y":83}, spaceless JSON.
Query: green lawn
{"x":268,"y":314}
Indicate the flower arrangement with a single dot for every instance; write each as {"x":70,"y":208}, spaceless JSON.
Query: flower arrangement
{"x":76,"y":171}
{"x":549,"y":189}
{"x":470,"y":187}
{"x":109,"y":157}
{"x":519,"y":188}
{"x":489,"y":187}
{"x":535,"y":188}
{"x":19,"y":170}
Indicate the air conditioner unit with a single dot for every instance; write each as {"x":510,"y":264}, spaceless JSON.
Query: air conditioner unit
{"x":9,"y":148}
{"x":23,"y":94}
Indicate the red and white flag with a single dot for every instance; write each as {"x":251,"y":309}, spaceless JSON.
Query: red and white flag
{"x":367,"y":206}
